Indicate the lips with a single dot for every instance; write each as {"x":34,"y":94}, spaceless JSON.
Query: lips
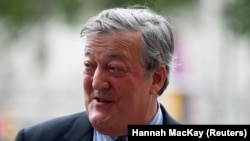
{"x":102,"y":100}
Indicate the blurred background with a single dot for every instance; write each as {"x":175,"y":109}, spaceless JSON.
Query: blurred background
{"x":41,"y":56}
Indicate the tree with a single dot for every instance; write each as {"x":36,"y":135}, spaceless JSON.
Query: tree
{"x":237,"y":16}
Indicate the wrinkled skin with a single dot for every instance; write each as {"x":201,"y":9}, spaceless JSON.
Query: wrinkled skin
{"x":116,"y":90}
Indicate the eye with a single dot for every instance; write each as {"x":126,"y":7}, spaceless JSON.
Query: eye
{"x":87,"y":65}
{"x":116,"y":70}
{"x":113,"y":68}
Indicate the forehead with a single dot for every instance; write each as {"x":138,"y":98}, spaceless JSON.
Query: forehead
{"x":128,"y":41}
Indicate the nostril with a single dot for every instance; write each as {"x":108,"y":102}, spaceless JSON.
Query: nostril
{"x":97,"y":99}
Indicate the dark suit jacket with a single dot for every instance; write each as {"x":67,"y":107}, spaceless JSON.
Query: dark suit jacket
{"x":74,"y":127}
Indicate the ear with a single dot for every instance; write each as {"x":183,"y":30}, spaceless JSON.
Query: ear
{"x":159,"y":76}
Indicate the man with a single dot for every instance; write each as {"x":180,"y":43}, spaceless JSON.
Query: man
{"x":127,"y":61}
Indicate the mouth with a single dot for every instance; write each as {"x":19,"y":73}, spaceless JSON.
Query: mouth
{"x":100,"y":100}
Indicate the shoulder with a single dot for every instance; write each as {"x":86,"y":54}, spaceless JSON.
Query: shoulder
{"x":59,"y":122}
{"x":53,"y":129}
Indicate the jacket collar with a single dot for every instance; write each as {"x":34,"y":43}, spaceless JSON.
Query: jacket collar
{"x":167,"y":119}
{"x":81,"y":129}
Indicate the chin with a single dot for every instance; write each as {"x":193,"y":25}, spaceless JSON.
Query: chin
{"x":100,"y":124}
{"x":96,"y":117}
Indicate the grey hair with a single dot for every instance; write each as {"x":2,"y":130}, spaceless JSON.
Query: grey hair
{"x":156,"y":32}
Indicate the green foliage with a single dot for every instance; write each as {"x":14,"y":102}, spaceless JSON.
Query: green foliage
{"x":23,"y":12}
{"x":20,"y":12}
{"x":15,"y":11}
{"x":16,"y":14}
{"x":237,"y":17}
{"x":157,"y":5}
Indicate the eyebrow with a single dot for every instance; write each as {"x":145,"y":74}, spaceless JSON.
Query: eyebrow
{"x":87,"y":53}
{"x":110,"y":55}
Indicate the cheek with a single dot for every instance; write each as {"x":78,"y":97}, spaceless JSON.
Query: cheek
{"x":87,"y":84}
{"x":126,"y":89}
{"x":121,"y":85}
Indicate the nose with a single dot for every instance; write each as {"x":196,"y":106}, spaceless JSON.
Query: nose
{"x":100,"y":80}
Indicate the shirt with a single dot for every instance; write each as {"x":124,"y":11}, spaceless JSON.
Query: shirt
{"x":157,"y":120}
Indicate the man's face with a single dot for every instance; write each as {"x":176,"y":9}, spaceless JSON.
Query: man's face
{"x":117,"y":92}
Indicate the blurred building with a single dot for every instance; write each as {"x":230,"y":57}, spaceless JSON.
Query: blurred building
{"x":213,"y":79}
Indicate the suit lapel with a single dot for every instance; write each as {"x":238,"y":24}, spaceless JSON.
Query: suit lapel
{"x":81,"y":130}
{"x":167,"y":119}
